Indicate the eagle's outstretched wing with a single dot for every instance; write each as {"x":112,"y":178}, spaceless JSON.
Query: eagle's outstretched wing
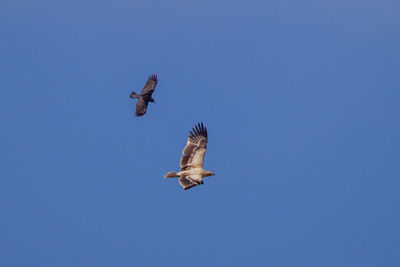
{"x":188,"y":181}
{"x":149,"y":86}
{"x":195,"y":149}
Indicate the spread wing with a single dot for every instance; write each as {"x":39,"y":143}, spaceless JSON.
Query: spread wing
{"x":189,"y":181}
{"x":150,"y":85}
{"x":195,"y":149}
{"x":141,"y":106}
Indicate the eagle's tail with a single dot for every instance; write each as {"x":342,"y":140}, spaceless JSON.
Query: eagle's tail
{"x":134,"y":95}
{"x":171,"y":175}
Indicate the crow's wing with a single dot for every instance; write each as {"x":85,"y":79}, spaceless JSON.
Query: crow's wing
{"x":141,"y":106}
{"x":150,"y":85}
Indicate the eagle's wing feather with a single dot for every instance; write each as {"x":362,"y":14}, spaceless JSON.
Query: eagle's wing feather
{"x":195,"y":149}
{"x":141,"y":106}
{"x":188,"y":181}
{"x":150,"y":85}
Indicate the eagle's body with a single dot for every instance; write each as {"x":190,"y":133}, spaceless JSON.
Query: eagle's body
{"x":145,"y":96}
{"x":192,"y":159}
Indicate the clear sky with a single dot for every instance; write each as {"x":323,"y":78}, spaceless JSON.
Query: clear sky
{"x":300,"y":98}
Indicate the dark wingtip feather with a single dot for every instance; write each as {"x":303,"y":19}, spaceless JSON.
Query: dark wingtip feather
{"x":153,"y":77}
{"x":203,"y":129}
{"x":198,"y":130}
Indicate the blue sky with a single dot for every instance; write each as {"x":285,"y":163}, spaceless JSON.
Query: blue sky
{"x":301,"y":102}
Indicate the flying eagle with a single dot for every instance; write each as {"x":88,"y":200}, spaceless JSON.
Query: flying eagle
{"x":145,"y":96}
{"x":192,"y":171}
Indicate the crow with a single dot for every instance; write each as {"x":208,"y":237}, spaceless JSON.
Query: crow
{"x":145,"y":96}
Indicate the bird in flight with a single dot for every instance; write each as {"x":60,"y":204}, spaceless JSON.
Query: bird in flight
{"x":192,"y":159}
{"x":145,"y":96}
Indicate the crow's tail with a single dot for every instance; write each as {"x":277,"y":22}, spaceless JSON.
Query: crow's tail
{"x":134,"y":95}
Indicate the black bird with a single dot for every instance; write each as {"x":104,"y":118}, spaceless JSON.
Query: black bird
{"x":145,"y":96}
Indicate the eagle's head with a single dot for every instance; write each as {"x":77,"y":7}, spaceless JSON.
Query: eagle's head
{"x":209,"y":174}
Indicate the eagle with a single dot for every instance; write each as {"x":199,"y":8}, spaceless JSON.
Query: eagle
{"x":145,"y":96}
{"x":192,"y":159}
